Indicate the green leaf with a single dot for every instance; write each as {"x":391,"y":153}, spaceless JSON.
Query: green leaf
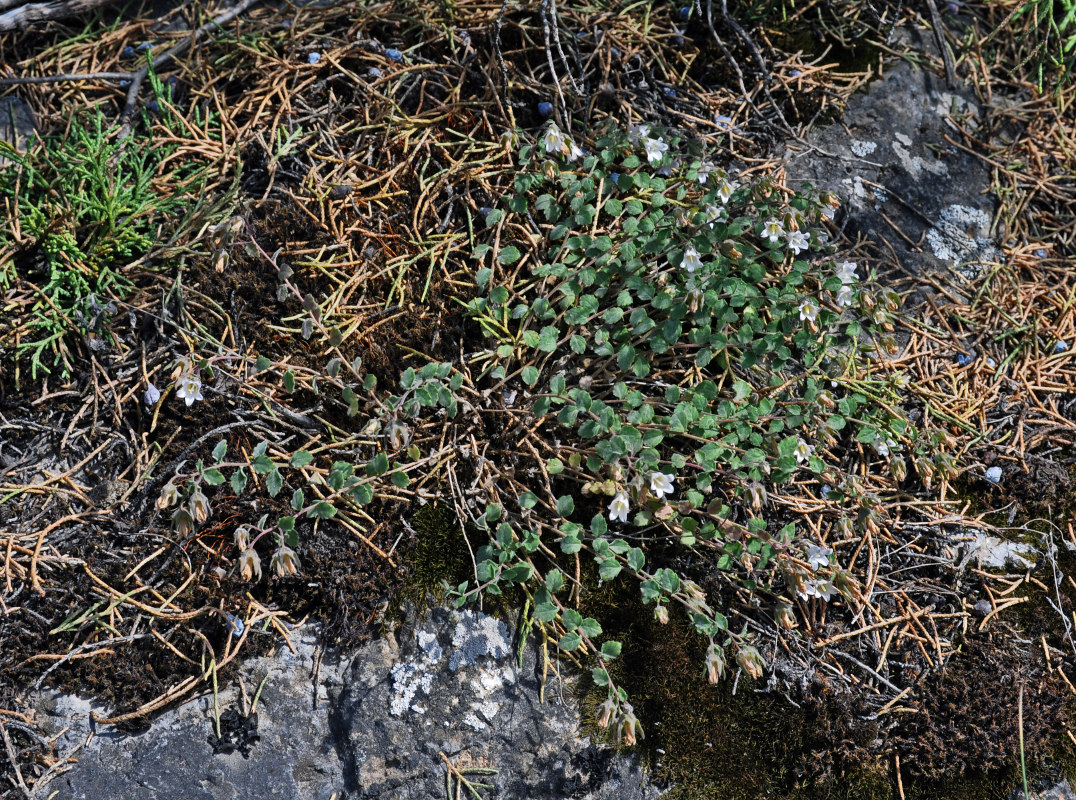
{"x":600,"y":676}
{"x":590,"y":628}
{"x":400,"y":479}
{"x":274,"y":482}
{"x":554,"y":466}
{"x":239,"y":481}
{"x":521,"y":573}
{"x":547,"y":339}
{"x":322,"y":510}
{"x":361,"y":494}
{"x":572,"y":619}
{"x":609,"y":569}
{"x":569,"y":642}
{"x":565,"y":505}
{"x":289,"y":381}
{"x":298,"y":499}
{"x":529,"y":375}
{"x":554,"y":581}
{"x":300,"y":459}
{"x":213,"y":477}
{"x":286,"y":523}
{"x":220,"y":450}
{"x":508,"y":255}
{"x":610,"y":650}
{"x":378,"y":465}
{"x":262,"y":464}
{"x":261,"y":364}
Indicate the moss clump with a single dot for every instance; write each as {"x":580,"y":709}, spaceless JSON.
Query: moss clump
{"x":440,"y":556}
{"x":712,"y":744}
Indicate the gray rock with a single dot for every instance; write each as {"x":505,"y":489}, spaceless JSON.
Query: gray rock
{"x":889,"y":158}
{"x":381,"y":724}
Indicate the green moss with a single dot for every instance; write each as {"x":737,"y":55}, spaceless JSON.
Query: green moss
{"x":440,"y":556}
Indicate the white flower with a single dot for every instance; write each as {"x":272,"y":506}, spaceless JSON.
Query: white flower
{"x":846,"y":295}
{"x":250,"y":565}
{"x":798,"y":241}
{"x":618,"y":507}
{"x":714,"y":214}
{"x":661,"y":483}
{"x":152,"y":395}
{"x":691,"y":260}
{"x":574,"y":151}
{"x":553,"y":139}
{"x":808,"y":310}
{"x":882,"y":446}
{"x":803,"y":451}
{"x":655,"y":150}
{"x":825,"y":590}
{"x":705,"y":171}
{"x":772,"y":230}
{"x":846,"y":271}
{"x":189,"y":388}
{"x":284,"y":561}
{"x":828,"y":211}
{"x":818,"y":557}
{"x":636,"y":133}
{"x":725,"y":190}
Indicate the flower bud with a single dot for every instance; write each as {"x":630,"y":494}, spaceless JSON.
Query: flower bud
{"x":250,"y":565}
{"x":756,"y":494}
{"x":169,"y":495}
{"x":242,"y":538}
{"x":199,"y":505}
{"x":605,"y":712}
{"x":898,"y":468}
{"x":628,"y":726}
{"x":182,"y":522}
{"x":730,"y":250}
{"x":284,"y":561}
{"x":785,"y":616}
{"x":750,"y":661}
{"x":715,"y":663}
{"x":661,"y":614}
{"x":692,"y":589}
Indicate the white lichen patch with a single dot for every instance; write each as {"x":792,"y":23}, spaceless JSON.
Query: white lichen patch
{"x":863,"y":149}
{"x":407,"y":681}
{"x":961,"y":236}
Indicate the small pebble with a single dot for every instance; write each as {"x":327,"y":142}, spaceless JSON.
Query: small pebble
{"x":152,"y":106}
{"x":465,"y":37}
{"x":374,"y":72}
{"x":1061,"y":346}
{"x":795,"y":73}
{"x":685,"y":12}
{"x":669,"y":91}
{"x":485,"y":211}
{"x":963,"y":359}
{"x":152,"y":395}
{"x":991,"y":363}
{"x":614,"y":177}
{"x":721,"y":119}
{"x":392,"y":54}
{"x":128,"y":52}
{"x":313,"y":58}
{"x":982,"y":608}
{"x":124,"y":84}
{"x":994,"y":474}
{"x":145,"y":47}
{"x":1041,"y":253}
{"x":545,"y":108}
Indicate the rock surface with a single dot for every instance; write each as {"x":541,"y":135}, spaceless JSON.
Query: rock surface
{"x":381,"y":724}
{"x":902,"y":182}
